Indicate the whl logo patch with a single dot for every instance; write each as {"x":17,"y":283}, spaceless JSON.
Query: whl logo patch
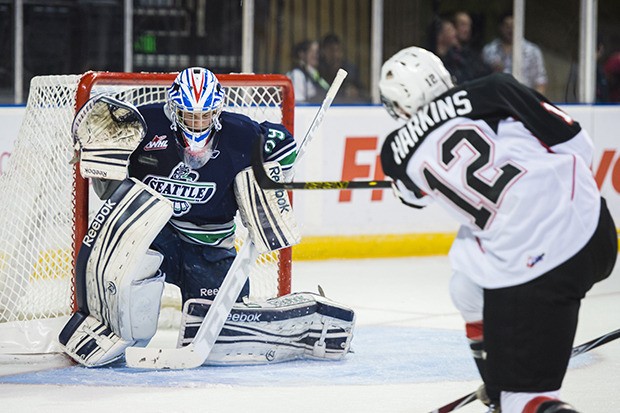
{"x":182,"y":188}
{"x":158,"y":143}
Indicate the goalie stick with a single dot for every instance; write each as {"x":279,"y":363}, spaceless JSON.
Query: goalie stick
{"x":583,"y":348}
{"x":196,"y":353}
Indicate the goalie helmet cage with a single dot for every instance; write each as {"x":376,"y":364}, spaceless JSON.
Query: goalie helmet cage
{"x":45,"y":204}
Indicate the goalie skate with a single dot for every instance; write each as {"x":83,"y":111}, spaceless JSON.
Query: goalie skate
{"x":294,"y":326}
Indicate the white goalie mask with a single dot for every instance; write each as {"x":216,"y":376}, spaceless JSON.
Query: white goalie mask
{"x":410,"y":79}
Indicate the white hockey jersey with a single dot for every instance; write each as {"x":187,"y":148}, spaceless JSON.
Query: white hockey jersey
{"x":511,"y":167}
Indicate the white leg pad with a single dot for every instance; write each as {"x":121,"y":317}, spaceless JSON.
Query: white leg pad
{"x":295,"y":326}
{"x":120,"y":286}
{"x":139,"y":299}
{"x":92,"y":343}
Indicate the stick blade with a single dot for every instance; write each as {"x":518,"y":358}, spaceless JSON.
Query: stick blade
{"x":164,"y":358}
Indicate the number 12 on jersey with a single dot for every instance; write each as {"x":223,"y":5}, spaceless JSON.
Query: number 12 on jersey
{"x":489,"y":192}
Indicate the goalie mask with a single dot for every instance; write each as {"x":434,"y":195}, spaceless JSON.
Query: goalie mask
{"x":194,"y":103}
{"x":410,"y":79}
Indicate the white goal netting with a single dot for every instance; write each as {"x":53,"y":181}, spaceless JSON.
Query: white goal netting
{"x":41,"y":208}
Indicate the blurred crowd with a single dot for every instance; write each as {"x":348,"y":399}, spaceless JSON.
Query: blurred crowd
{"x":450,"y":37}
{"x":315,"y":66}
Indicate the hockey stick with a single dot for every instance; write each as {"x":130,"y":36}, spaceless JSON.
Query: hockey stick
{"x":318,"y":118}
{"x":196,"y":353}
{"x":583,"y":348}
{"x":266,"y":182}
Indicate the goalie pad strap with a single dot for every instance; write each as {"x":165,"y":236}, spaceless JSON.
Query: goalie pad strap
{"x":267,"y":214}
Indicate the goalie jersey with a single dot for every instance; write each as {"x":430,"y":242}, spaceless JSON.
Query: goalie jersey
{"x":511,"y":167}
{"x":204,"y":204}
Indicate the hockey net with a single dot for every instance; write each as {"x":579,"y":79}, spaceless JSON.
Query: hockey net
{"x":45,"y":205}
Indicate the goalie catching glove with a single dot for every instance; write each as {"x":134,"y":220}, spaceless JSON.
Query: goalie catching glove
{"x":106,"y":131}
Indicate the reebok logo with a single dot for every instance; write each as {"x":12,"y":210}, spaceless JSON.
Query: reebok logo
{"x":98,"y":222}
{"x":95,"y":172}
{"x":275,"y":173}
{"x":244,"y":317}
{"x":158,"y":143}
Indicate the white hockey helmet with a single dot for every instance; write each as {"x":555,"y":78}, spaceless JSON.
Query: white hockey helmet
{"x":410,"y":79}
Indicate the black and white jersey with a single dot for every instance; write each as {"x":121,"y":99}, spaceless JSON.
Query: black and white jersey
{"x":510,"y":166}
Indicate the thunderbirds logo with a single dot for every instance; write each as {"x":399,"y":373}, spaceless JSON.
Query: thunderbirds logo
{"x":182,"y":188}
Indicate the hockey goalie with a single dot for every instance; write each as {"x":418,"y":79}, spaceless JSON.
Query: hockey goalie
{"x":172,"y":178}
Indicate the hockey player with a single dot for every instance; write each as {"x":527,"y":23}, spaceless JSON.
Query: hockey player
{"x":535,"y":233}
{"x":191,"y":162}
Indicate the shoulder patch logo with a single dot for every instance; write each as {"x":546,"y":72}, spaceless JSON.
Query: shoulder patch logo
{"x":158,"y":143}
{"x":182,"y":188}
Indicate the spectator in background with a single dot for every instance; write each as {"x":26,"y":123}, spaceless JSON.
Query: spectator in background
{"x":602,"y":84}
{"x":332,"y":58}
{"x":498,"y":55}
{"x":463,"y":25}
{"x":460,"y":60}
{"x":309,"y":86}
{"x":612,"y":72}
{"x":442,"y":38}
{"x":469,"y":65}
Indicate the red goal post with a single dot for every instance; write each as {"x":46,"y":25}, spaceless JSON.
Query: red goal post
{"x":45,"y":204}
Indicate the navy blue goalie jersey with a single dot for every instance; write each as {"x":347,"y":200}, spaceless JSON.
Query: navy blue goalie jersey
{"x":204,"y":204}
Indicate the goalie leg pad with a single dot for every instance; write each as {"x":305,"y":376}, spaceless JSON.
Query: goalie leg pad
{"x":117,"y":280}
{"x":140,"y":298}
{"x":115,"y":258}
{"x":267,"y":214}
{"x":90,"y":342}
{"x":295,"y":326}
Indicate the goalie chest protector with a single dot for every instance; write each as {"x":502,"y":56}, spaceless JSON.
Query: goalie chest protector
{"x":206,"y":195}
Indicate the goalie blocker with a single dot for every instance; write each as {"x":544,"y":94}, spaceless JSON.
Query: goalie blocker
{"x":266,"y":214}
{"x":294,"y":326}
{"x":118,"y":282}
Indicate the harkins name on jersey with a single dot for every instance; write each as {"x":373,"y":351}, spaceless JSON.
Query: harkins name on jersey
{"x":430,"y":116}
